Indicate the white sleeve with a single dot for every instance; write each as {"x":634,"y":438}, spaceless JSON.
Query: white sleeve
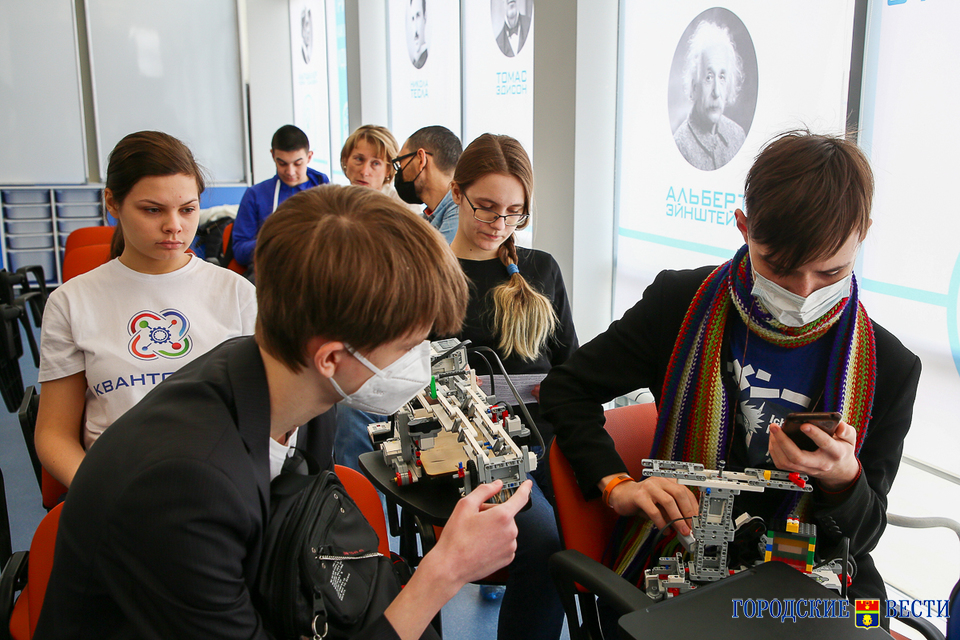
{"x":248,"y":307}
{"x":59,"y":355}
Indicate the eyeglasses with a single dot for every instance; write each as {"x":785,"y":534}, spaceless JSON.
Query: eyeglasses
{"x":489,"y":217}
{"x":396,"y":161}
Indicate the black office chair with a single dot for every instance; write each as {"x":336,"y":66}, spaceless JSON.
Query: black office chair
{"x":20,"y":298}
{"x":28,"y":425}
{"x":6,"y":545}
{"x":924,"y":626}
{"x":28,"y":294}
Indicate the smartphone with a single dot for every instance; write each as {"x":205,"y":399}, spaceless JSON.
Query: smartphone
{"x":825,"y":421}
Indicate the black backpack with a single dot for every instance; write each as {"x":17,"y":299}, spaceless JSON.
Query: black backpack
{"x":320,"y":572}
{"x":210,"y":237}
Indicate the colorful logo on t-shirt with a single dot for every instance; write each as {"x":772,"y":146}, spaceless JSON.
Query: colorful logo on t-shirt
{"x":162,"y":335}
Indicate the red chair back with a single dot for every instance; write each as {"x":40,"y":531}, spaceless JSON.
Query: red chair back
{"x":77,"y":260}
{"x":233,"y":265}
{"x":87,"y":236}
{"x":26,"y":611}
{"x":367,"y":498}
{"x":51,"y":491}
{"x":84,"y":258}
{"x":587,"y":525}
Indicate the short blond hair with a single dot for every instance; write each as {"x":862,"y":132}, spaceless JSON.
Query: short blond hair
{"x":381,"y":138}
{"x":351,"y":264}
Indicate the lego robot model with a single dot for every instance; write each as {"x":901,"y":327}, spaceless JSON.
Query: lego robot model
{"x":714,"y":527}
{"x":453,"y":428}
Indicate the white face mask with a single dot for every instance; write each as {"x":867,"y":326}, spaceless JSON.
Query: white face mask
{"x":391,"y":387}
{"x":796,"y":311}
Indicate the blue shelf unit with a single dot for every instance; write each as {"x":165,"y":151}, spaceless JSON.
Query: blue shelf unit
{"x":37,"y":221}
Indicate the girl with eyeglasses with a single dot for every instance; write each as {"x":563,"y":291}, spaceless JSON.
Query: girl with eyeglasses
{"x":518,"y":307}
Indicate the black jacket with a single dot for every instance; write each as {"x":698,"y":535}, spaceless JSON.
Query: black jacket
{"x":161,"y":534}
{"x":634,"y":352}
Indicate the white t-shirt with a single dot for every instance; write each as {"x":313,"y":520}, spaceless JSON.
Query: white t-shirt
{"x":129,"y":331}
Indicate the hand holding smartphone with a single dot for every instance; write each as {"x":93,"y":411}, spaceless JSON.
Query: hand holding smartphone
{"x":825,"y":421}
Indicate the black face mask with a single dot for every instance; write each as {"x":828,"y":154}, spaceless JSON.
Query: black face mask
{"x":405,"y":188}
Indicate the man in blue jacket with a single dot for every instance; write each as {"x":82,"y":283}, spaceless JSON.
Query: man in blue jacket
{"x":290,"y":150}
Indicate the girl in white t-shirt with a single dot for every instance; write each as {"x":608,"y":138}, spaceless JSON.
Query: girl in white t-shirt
{"x":111,"y":335}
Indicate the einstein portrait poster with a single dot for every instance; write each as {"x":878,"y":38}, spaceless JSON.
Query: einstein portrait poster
{"x":702,"y":88}
{"x":424,"y":65}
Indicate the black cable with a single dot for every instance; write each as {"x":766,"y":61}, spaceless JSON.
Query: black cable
{"x":846,"y":563}
{"x":516,"y":394}
{"x":450,"y":374}
{"x":435,"y":359}
{"x":659,"y":535}
{"x":849,"y":565}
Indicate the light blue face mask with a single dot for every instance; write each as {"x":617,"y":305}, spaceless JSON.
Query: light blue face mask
{"x":793,"y":310}
{"x":391,"y":387}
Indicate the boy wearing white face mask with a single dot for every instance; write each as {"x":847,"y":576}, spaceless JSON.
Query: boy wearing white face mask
{"x":163,"y":531}
{"x":729,"y":351}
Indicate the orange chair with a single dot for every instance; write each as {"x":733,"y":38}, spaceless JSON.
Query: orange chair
{"x":226,"y":254}
{"x":51,"y":490}
{"x":22,"y":614}
{"x":76,"y":261}
{"x":29,"y":573}
{"x":87,"y":236}
{"x":367,"y":498}
{"x":81,"y":259}
{"x":587,"y":525}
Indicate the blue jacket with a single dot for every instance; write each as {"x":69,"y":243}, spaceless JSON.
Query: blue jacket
{"x":445,"y":217}
{"x":257,"y":204}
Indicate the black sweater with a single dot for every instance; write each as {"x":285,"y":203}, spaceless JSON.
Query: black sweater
{"x":542,"y":272}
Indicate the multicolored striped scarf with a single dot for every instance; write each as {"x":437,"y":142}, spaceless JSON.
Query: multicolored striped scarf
{"x":696,"y":412}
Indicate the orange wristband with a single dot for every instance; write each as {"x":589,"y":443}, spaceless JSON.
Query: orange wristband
{"x":623,"y":477}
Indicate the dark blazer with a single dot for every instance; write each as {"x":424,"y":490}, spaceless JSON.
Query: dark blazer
{"x":504,"y":42}
{"x":161,"y":534}
{"x":634,"y":353}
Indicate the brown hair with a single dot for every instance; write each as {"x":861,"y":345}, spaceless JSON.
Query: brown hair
{"x":353,"y":265}
{"x":141,"y":155}
{"x":382,"y":140}
{"x":523,"y":317}
{"x":805,"y":195}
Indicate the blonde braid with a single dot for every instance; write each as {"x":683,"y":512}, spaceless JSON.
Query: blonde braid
{"x":524,"y":318}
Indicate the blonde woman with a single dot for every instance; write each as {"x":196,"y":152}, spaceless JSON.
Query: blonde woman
{"x":365,"y":160}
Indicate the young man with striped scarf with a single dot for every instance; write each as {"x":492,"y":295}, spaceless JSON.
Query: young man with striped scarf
{"x":729,"y":351}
